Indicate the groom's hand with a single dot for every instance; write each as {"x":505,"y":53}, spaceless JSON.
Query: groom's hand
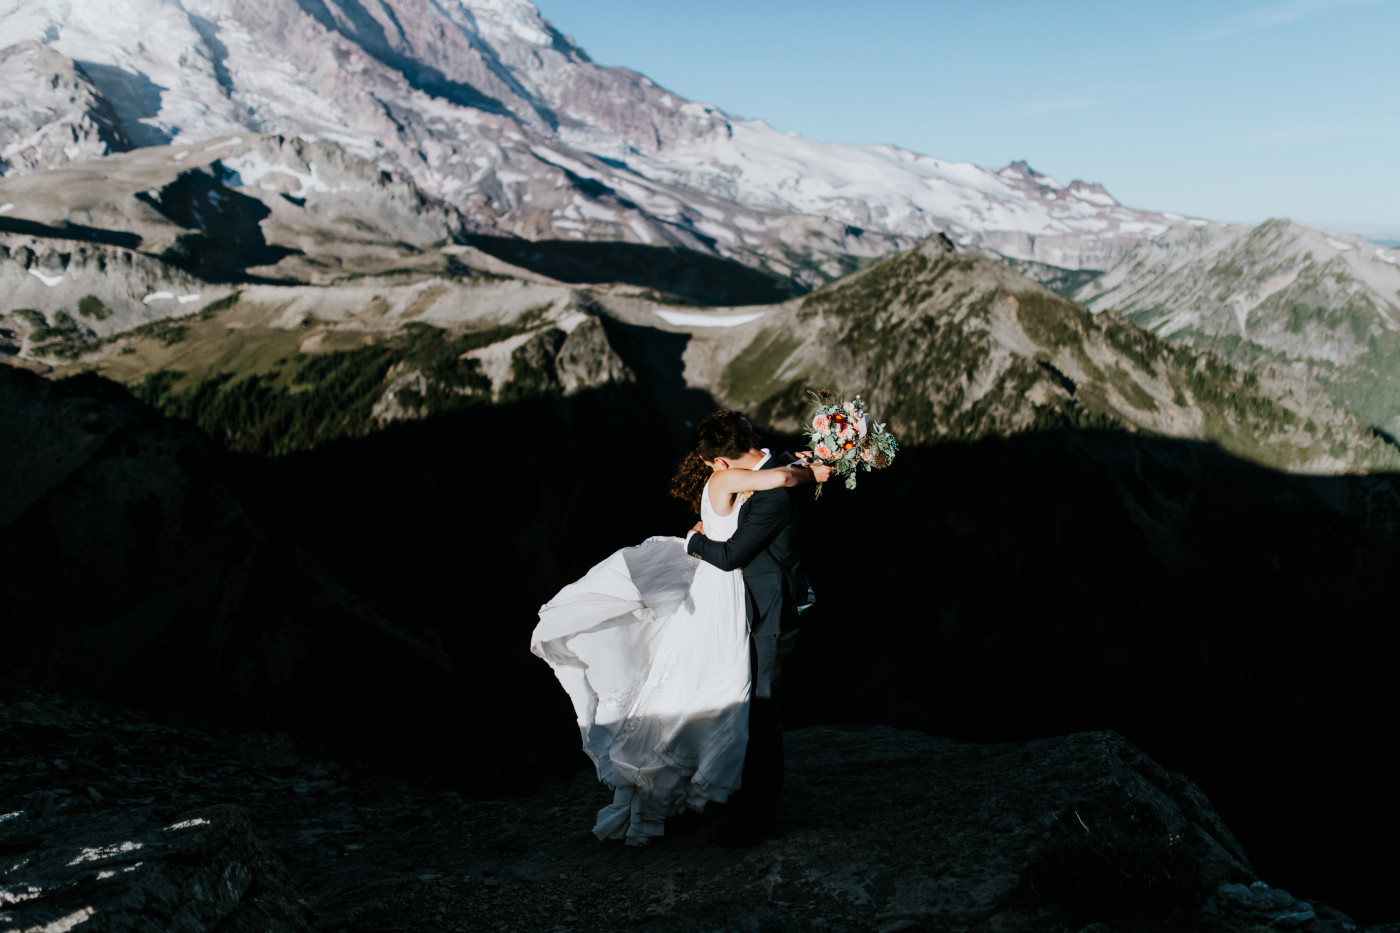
{"x":699,"y":528}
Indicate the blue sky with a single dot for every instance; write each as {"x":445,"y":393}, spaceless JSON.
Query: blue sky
{"x":1233,"y":111}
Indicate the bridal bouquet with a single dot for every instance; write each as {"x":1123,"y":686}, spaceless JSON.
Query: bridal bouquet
{"x":845,"y":437}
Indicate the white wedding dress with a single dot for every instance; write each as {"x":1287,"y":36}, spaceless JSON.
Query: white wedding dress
{"x":652,"y":646}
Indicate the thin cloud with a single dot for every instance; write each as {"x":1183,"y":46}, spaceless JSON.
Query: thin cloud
{"x":1054,"y":106}
{"x":1278,"y":14}
{"x":1286,"y":137}
{"x":1306,"y":134}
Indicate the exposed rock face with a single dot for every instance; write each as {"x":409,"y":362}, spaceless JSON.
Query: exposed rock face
{"x":132,"y":824}
{"x":163,"y":233}
{"x":1328,"y":305}
{"x":50,"y":112}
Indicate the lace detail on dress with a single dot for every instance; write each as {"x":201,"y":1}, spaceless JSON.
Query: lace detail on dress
{"x":618,"y":699}
{"x":661,"y":668}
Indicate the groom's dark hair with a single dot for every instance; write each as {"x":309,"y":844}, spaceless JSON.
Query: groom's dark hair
{"x":723,"y":433}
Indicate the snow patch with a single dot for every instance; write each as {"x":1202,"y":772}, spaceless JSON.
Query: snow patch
{"x":568,"y":324}
{"x":6,"y":207}
{"x":180,"y":156}
{"x":158,"y":296}
{"x":1101,"y":198}
{"x":1094,"y":223}
{"x":593,"y":211}
{"x":49,"y":280}
{"x":558,"y":160}
{"x":1338,"y":244}
{"x":717,"y":232}
{"x":510,"y":17}
{"x":102,"y":852}
{"x":186,"y":299}
{"x":67,"y":922}
{"x":1380,"y":252}
{"x":692,"y":319}
{"x":710,"y":212}
{"x":252,"y":170}
{"x":186,"y":824}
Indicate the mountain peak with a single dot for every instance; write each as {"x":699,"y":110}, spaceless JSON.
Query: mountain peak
{"x":1022,"y":169}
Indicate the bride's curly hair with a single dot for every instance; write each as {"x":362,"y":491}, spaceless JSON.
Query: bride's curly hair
{"x":721,"y":434}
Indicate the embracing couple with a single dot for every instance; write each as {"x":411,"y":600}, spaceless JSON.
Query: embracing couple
{"x":670,"y":650}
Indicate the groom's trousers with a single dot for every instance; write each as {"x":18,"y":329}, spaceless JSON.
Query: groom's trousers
{"x":770,"y":645}
{"x":763,"y":764}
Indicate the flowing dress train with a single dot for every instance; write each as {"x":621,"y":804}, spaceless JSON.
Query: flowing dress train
{"x":652,"y":647}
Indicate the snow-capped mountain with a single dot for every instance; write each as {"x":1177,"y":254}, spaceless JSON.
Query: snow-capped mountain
{"x":1328,"y":304}
{"x":487,"y":107}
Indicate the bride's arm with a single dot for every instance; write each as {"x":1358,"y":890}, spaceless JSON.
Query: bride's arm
{"x":766,"y":517}
{"x":733,"y":481}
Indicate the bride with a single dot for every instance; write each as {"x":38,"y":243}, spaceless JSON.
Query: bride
{"x":652,"y":647}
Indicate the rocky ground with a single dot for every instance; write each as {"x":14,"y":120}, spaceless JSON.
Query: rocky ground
{"x":113,"y":821}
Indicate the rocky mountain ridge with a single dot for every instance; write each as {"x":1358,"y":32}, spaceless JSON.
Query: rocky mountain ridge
{"x":959,"y":346}
{"x":956,"y":347}
{"x":1327,"y":305}
{"x":488,"y":108}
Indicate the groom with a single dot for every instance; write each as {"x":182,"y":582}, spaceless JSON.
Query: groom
{"x":768,"y":546}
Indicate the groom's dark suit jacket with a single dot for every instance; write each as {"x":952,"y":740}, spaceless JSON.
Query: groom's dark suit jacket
{"x":767,"y":545}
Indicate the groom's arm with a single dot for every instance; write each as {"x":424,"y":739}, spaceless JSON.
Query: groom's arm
{"x":765,"y":516}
